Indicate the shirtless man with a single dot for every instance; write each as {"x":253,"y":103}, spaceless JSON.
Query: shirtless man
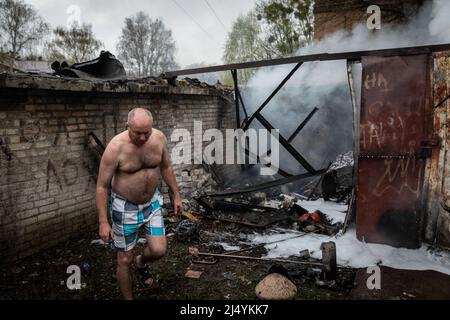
{"x":133,"y":163}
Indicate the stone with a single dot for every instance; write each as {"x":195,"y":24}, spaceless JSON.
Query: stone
{"x":304,"y":254}
{"x":192,"y":274}
{"x":149,"y":282}
{"x":276,"y":287}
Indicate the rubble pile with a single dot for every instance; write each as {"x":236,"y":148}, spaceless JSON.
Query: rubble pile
{"x":337,"y":182}
{"x":298,"y":274}
{"x":258,"y":210}
{"x":318,"y":222}
{"x":219,"y":226}
{"x":187,"y":231}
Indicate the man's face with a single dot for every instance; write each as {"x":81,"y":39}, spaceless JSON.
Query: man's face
{"x":139,"y":134}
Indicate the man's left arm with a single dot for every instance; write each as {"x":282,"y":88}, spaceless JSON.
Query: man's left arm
{"x":169,"y":178}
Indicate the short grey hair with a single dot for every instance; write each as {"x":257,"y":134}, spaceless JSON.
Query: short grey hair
{"x":133,"y":111}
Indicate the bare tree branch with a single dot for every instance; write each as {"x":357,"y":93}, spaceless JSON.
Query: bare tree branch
{"x":146,"y":47}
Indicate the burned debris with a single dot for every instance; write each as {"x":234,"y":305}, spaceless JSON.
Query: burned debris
{"x":217,"y":227}
{"x":223,"y":225}
{"x":337,"y":182}
{"x":105,"y":67}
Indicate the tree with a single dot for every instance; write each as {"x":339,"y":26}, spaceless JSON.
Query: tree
{"x":245,"y":43}
{"x":145,"y":46}
{"x":75,"y":44}
{"x":20,"y":27}
{"x":288,"y":24}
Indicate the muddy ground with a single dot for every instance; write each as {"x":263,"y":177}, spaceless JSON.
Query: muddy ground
{"x":43,"y":276}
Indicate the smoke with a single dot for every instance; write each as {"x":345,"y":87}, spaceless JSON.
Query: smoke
{"x":325,"y":85}
{"x":440,"y":24}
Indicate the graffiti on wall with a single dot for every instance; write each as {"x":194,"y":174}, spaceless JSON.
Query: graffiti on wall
{"x":60,"y":167}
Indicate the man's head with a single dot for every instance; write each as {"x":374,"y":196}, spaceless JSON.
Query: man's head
{"x":139,"y":125}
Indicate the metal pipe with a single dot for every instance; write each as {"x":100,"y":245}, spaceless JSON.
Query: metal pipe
{"x":278,"y":88}
{"x":287,"y":145}
{"x":349,"y":55}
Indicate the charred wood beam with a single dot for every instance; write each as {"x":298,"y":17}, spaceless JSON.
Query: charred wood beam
{"x":278,"y":88}
{"x":283,"y":173}
{"x":261,"y":186}
{"x":239,"y":206}
{"x":264,"y":244}
{"x":287,"y":145}
{"x":236,"y":96}
{"x":302,"y":125}
{"x":243,"y":108}
{"x":97,"y":140}
{"x":257,"y":114}
{"x":205,"y":203}
{"x":263,"y":259}
{"x":248,"y":224}
{"x":351,"y":55}
{"x":297,"y":131}
{"x":292,"y":137}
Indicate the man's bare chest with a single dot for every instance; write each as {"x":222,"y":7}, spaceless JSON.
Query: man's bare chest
{"x":133,"y":159}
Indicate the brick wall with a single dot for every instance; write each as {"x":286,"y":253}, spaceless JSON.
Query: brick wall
{"x":47,"y":174}
{"x":331,"y":15}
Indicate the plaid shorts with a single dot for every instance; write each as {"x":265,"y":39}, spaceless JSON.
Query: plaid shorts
{"x":127,"y":217}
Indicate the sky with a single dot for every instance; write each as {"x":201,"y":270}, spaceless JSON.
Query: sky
{"x":199,"y":35}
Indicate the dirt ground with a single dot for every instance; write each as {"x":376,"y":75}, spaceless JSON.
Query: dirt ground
{"x":43,"y":276}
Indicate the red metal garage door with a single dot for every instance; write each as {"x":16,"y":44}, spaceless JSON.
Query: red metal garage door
{"x":395,"y":126}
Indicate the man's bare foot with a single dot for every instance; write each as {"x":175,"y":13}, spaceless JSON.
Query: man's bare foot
{"x":138,"y":262}
{"x":143,"y":271}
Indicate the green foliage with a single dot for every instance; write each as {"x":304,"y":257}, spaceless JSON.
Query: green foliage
{"x":288,"y":24}
{"x":245,"y":43}
{"x":275,"y":28}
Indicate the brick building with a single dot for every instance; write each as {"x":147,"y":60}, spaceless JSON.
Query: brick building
{"x":331,"y":16}
{"x":47,"y":174}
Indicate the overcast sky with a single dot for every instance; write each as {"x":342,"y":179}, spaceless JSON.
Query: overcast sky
{"x":198,"y":33}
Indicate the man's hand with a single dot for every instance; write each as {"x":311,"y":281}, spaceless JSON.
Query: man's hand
{"x":178,"y":205}
{"x":105,"y":232}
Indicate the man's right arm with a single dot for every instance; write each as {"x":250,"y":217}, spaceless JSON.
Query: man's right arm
{"x":108,"y":166}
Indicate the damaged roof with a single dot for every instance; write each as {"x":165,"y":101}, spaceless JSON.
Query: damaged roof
{"x":103,"y":74}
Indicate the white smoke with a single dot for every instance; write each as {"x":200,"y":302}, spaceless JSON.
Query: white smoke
{"x":440,"y":24}
{"x":325,"y":84}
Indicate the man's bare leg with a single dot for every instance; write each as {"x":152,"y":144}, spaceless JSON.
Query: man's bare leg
{"x":156,"y":248}
{"x":123,"y":273}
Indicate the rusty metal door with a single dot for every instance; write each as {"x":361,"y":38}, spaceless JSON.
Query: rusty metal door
{"x":394,"y":133}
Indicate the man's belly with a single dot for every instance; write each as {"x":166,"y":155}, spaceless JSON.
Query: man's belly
{"x":137,"y":187}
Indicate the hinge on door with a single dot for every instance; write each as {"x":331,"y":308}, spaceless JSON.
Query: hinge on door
{"x":428,"y":145}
